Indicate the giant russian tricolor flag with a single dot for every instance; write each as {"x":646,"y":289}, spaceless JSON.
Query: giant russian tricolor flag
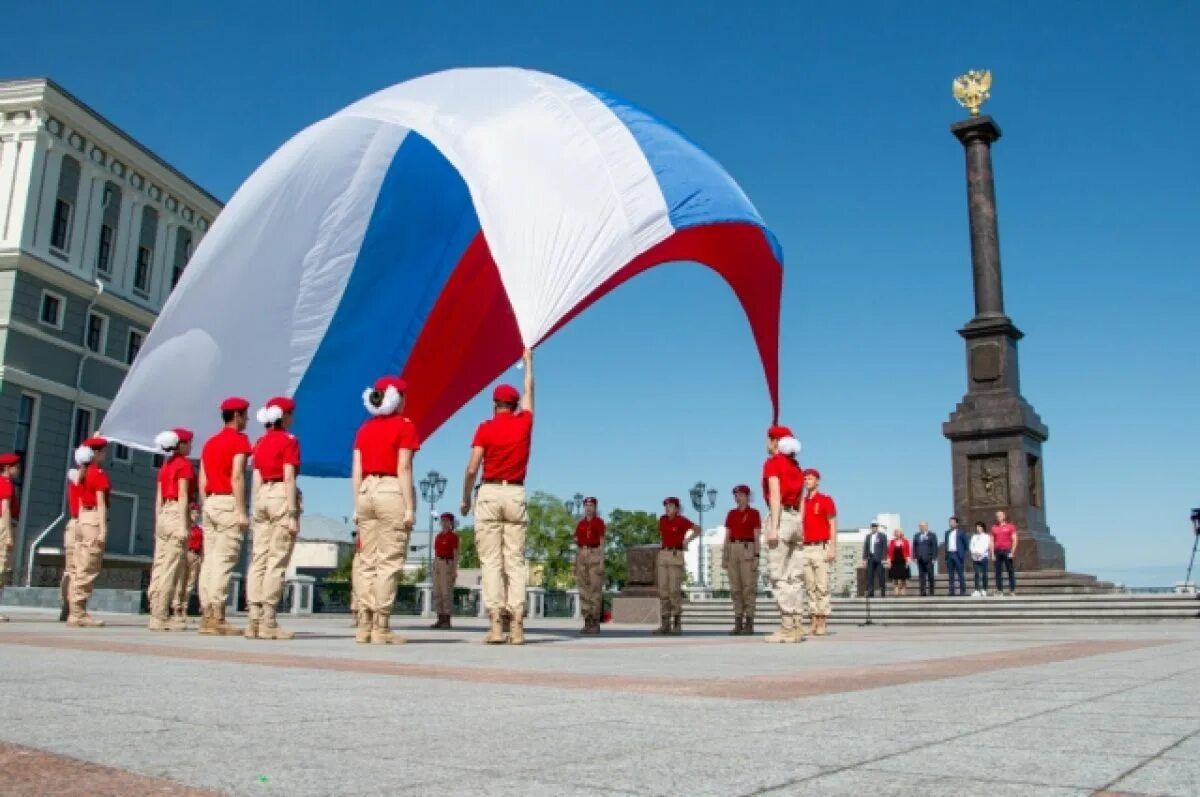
{"x":433,"y":229}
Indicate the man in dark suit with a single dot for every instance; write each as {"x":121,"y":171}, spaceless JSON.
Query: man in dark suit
{"x":925,"y":549}
{"x":956,"y":545}
{"x":875,"y":555}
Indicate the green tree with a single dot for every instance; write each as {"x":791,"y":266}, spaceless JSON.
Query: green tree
{"x":468,"y":556}
{"x":626,"y":529}
{"x":548,"y":541}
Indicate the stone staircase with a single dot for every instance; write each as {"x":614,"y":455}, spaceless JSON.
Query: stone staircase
{"x":1043,"y":596}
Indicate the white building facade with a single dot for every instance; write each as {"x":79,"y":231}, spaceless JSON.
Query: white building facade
{"x":95,"y":231}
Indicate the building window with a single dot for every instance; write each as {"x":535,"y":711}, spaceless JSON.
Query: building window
{"x":159,"y":459}
{"x":134,"y":346}
{"x":183,"y":253}
{"x":51,"y":313}
{"x":97,"y":332}
{"x":60,"y":232}
{"x":104,"y":253}
{"x":141,"y":273}
{"x":23,"y":433}
{"x":83,"y":427}
{"x":120,"y":453}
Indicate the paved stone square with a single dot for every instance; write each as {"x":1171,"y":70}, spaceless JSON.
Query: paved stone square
{"x":1070,"y":710}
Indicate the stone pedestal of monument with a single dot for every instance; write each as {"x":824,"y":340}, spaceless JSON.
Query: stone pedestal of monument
{"x":638,"y":601}
{"x":995,"y":436}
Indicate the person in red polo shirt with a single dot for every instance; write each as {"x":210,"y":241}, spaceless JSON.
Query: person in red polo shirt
{"x":820,"y":549}
{"x":276,"y":460}
{"x":589,"y":566}
{"x":384,"y":505}
{"x":223,"y":485}
{"x":176,"y":486}
{"x":677,"y":532}
{"x":501,"y":446}
{"x":189,"y":572}
{"x":742,"y":527}
{"x":783,"y":485}
{"x":445,"y":570}
{"x":92,"y":530}
{"x":10,"y":513}
{"x":74,"y":476}
{"x":1004,"y":545}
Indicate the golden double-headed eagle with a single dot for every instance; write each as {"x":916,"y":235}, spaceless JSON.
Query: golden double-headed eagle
{"x":973,"y":89}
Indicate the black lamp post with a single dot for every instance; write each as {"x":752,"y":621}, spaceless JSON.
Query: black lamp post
{"x":704,"y":498}
{"x":1196,"y":528}
{"x":433,"y":486}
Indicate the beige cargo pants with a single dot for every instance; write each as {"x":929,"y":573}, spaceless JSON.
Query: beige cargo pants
{"x":741,"y":563}
{"x":816,"y":580}
{"x":589,"y":578}
{"x":381,"y":509}
{"x":85,"y":562}
{"x":501,"y":522}
{"x":170,"y":544}
{"x":445,"y":574}
{"x":189,"y":576}
{"x":669,"y":579}
{"x":785,"y":566}
{"x":271,"y":547}
{"x":222,"y":547}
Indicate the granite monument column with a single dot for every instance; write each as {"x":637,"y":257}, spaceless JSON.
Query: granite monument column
{"x":995,"y":436}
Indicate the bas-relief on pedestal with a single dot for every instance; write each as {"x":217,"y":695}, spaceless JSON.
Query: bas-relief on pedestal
{"x":995,"y":435}
{"x":638,"y":601}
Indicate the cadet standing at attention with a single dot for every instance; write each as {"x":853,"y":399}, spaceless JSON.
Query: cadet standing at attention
{"x":276,"y":518}
{"x":820,"y":549}
{"x":742,"y":527}
{"x":445,"y":570}
{"x":74,"y":475}
{"x":589,"y":566}
{"x":91,"y":532}
{"x":10,"y":513}
{"x":676,"y":532}
{"x":223,"y":485}
{"x":384,"y":505}
{"x":501,"y":446}
{"x":176,"y":485}
{"x":783,"y":484}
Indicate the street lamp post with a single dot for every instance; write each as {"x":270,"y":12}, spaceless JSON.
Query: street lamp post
{"x":704,"y":498}
{"x":575,"y":505}
{"x":432,"y":488}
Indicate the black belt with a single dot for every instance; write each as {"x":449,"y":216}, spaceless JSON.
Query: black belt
{"x":744,"y":542}
{"x":505,"y":482}
{"x":795,"y":508}
{"x":380,"y":475}
{"x":210,"y":495}
{"x":88,"y":508}
{"x":445,"y":558}
{"x":271,"y":481}
{"x":821,"y":542}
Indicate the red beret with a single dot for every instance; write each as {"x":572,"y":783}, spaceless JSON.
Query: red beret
{"x":384,"y":382}
{"x":284,"y":403}
{"x":235,"y":404}
{"x":184,"y":435}
{"x":590,"y":500}
{"x":9,"y":459}
{"x":96,"y":442}
{"x":506,"y":393}
{"x":741,"y":488}
{"x":813,"y":472}
{"x":779,"y":432}
{"x":671,"y":500}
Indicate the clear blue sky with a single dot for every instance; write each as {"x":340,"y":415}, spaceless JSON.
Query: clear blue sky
{"x":834,"y":120}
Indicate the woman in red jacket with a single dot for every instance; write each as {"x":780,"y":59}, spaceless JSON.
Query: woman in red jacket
{"x":899,"y":553}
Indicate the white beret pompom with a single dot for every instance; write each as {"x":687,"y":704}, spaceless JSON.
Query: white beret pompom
{"x":269,"y":415}
{"x":789,"y":446}
{"x":167,"y":441}
{"x":391,"y":401}
{"x":84,"y":455}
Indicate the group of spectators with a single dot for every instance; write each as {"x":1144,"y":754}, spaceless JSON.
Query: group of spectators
{"x":891,"y":558}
